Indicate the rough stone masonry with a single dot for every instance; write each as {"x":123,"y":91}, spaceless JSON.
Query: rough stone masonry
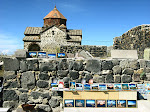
{"x":28,"y":80}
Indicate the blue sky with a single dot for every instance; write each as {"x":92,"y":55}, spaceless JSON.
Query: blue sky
{"x":100,"y":20}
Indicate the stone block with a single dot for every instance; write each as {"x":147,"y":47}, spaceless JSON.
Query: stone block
{"x":21,"y":53}
{"x":109,"y":78}
{"x":148,"y":76}
{"x":10,"y":104}
{"x":128,"y":71}
{"x":28,"y":80}
{"x":142,"y":63}
{"x":126,"y":78}
{"x":88,"y":77}
{"x":106,"y":72}
{"x":43,"y":108}
{"x":63,"y":64}
{"x":35,"y":95}
{"x":11,"y":64}
{"x":53,"y":102}
{"x":116,"y":69}
{"x":136,"y":77}
{"x":107,"y":65}
{"x":23,"y":97}
{"x":42,"y":84}
{"x":115,"y":62}
{"x":148,"y":63}
{"x":33,"y":64}
{"x":44,"y":76}
{"x":93,"y":66}
{"x":134,"y":64}
{"x":9,"y":75}
{"x":124,"y":54}
{"x":124,"y":64}
{"x":46,"y":95}
{"x":11,"y":84}
{"x":97,"y":79}
{"x":23,"y":66}
{"x":117,"y":78}
{"x":62,"y":73}
{"x":147,"y":54}
{"x":74,"y":75}
{"x":78,"y":65}
{"x":66,"y":79}
{"x":10,"y":95}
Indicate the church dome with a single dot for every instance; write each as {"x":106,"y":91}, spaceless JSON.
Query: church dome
{"x":54,"y":14}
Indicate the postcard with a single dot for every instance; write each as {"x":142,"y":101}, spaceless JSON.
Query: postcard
{"x":79,"y":103}
{"x":69,"y":103}
{"x":102,"y":87}
{"x":33,"y":54}
{"x":79,"y":87}
{"x":121,"y":103}
{"x":72,"y":86}
{"x":41,"y":54}
{"x":61,"y":55}
{"x":117,"y":86}
{"x":125,"y":87}
{"x":111,"y":103}
{"x":90,"y":103}
{"x":54,"y":86}
{"x":131,"y":103}
{"x":101,"y":103}
{"x":110,"y":86}
{"x":87,"y":87}
{"x":51,"y":56}
{"x":95,"y":87}
{"x":132,"y":86}
{"x":61,"y":86}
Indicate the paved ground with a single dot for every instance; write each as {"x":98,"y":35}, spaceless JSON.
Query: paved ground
{"x":143,"y":106}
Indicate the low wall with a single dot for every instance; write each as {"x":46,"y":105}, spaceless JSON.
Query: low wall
{"x":96,"y":51}
{"x":28,"y":80}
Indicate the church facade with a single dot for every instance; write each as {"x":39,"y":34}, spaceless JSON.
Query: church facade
{"x":52,"y":35}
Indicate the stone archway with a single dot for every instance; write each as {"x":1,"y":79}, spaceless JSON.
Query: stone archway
{"x":34,"y":47}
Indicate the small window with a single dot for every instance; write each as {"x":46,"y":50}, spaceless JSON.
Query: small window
{"x":52,"y":32}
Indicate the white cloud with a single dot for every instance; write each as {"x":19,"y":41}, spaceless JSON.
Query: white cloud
{"x":9,"y":43}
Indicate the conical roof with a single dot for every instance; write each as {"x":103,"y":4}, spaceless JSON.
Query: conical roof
{"x":54,"y":14}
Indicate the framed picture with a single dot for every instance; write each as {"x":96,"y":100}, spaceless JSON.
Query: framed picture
{"x":69,"y":103}
{"x":110,"y":86}
{"x":117,"y":86}
{"x":61,"y":86}
{"x":148,"y":88}
{"x":83,"y":81}
{"x":101,"y":103}
{"x":111,"y":103}
{"x":102,"y":87}
{"x":132,"y":86}
{"x":131,"y":103}
{"x":94,"y":87}
{"x":79,"y":87}
{"x":41,"y":54}
{"x":90,"y":103}
{"x":87,"y":87}
{"x":79,"y":103}
{"x":61,"y":55}
{"x":72,"y":86}
{"x":54,"y":86}
{"x":51,"y":56}
{"x":66,"y":86}
{"x":33,"y":54}
{"x":125,"y":87}
{"x":121,"y":103}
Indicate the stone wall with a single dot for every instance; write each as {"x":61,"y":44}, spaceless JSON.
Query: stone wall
{"x":28,"y":80}
{"x":138,"y":38}
{"x":96,"y":51}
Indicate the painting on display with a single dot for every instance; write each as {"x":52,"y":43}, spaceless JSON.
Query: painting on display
{"x":51,"y":56}
{"x":131,"y":103}
{"x":125,"y":87}
{"x":61,"y":86}
{"x":87,"y":87}
{"x":54,"y":86}
{"x":110,"y":86}
{"x":72,"y":86}
{"x":121,"y":103}
{"x":79,"y":103}
{"x":132,"y":86}
{"x":61,"y":55}
{"x":94,"y":87}
{"x":90,"y":103}
{"x":41,"y":54}
{"x":111,"y":103}
{"x":102,"y":87}
{"x":101,"y":103}
{"x":117,"y":86}
{"x":79,"y":87}
{"x":69,"y":103}
{"x":33,"y":54}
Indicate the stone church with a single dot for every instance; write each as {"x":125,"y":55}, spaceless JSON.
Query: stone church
{"x":52,"y":35}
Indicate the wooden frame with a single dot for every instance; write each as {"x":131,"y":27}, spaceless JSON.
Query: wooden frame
{"x":81,"y":100}
{"x":63,"y":55}
{"x":132,"y":101}
{"x":119,"y":106}
{"x":51,"y":55}
{"x":32,"y":53}
{"x":91,"y":104}
{"x":112,"y":104}
{"x":101,"y":106}
{"x":68,"y":105}
{"x":41,"y":54}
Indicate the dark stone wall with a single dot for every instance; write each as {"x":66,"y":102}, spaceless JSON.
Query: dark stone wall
{"x":96,"y":51}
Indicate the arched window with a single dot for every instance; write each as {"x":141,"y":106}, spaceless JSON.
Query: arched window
{"x":34,"y":47}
